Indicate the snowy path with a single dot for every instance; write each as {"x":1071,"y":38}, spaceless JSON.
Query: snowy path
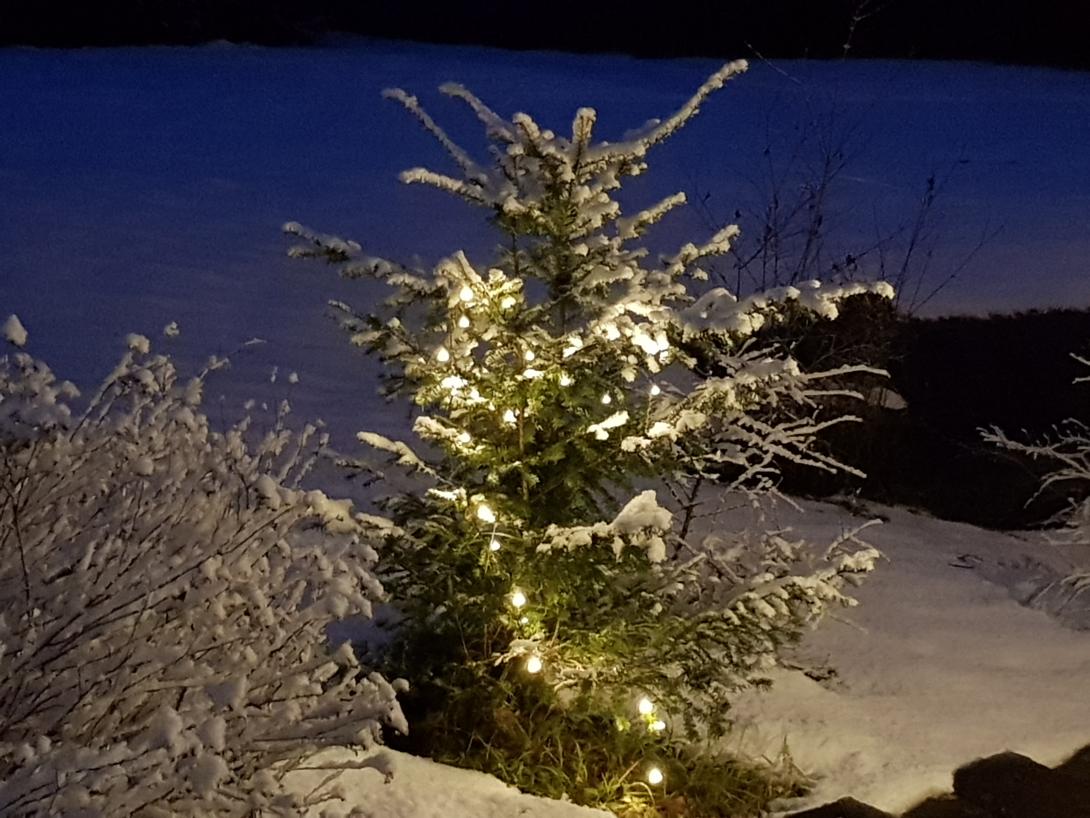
{"x":937,"y":667}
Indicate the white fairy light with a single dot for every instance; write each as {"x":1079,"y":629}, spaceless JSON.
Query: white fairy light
{"x":466,"y":294}
{"x":441,"y":355}
{"x":646,"y":706}
{"x":607,"y":399}
{"x":464,"y":437}
{"x":565,"y":379}
{"x":524,"y":620}
{"x":518,"y":598}
{"x":533,"y":665}
{"x":655,"y":390}
{"x":463,"y":322}
{"x":507,"y":302}
{"x":528,"y":355}
{"x":509,"y":417}
{"x":485,"y":514}
{"x":494,"y":545}
{"x":657,"y":726}
{"x":654,"y":776}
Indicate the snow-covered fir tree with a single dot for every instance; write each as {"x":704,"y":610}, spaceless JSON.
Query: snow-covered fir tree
{"x":164,"y":595}
{"x":551,"y":544}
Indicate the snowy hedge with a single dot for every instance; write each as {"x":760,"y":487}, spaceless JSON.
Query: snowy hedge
{"x":164,"y":593}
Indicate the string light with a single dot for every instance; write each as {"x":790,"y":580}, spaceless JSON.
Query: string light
{"x":463,"y":322}
{"x":524,"y":620}
{"x":464,"y":437}
{"x":485,"y":514}
{"x":509,"y":417}
{"x":466,"y":294}
{"x":655,"y":391}
{"x":654,"y":776}
{"x":565,"y":379}
{"x":494,"y":545}
{"x":533,"y":665}
{"x":507,"y":302}
{"x":646,"y":706}
{"x":528,"y":355}
{"x":607,"y":399}
{"x":657,"y":726}
{"x":441,"y":355}
{"x":518,"y":598}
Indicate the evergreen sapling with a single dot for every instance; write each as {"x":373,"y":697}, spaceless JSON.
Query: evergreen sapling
{"x":547,"y":562}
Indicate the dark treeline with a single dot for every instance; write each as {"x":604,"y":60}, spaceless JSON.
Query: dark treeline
{"x":959,"y":375}
{"x":1048,"y":32}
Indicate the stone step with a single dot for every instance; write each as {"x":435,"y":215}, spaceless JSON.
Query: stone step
{"x":1005,"y":785}
{"x":1011,"y":785}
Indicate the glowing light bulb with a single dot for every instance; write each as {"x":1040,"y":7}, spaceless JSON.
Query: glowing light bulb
{"x":524,"y":620}
{"x":518,"y":598}
{"x":441,"y":355}
{"x":494,"y":545}
{"x":485,"y":514}
{"x":607,"y":399}
{"x":655,"y":776}
{"x":657,"y":726}
{"x":507,"y":302}
{"x":466,"y":294}
{"x":463,"y":322}
{"x":528,"y":355}
{"x":565,"y":379}
{"x":509,"y":417}
{"x":655,"y":391}
{"x":533,"y":665}
{"x":646,"y":706}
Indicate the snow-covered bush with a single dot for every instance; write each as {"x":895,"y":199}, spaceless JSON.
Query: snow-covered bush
{"x":1068,"y":450}
{"x":535,"y":573}
{"x":164,"y":594}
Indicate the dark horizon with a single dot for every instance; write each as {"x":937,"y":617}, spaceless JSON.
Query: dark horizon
{"x":1048,"y":33}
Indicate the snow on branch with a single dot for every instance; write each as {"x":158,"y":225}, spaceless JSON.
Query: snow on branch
{"x":164,"y":596}
{"x":412,"y":105}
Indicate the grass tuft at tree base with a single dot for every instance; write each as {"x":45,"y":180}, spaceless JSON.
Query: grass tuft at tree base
{"x":571,"y":748}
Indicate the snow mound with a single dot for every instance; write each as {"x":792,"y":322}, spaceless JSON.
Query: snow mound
{"x":388,"y":784}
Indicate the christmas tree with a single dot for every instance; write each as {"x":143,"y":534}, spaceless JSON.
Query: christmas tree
{"x":548,"y":569}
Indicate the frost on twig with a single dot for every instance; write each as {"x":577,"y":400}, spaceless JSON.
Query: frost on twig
{"x":164,"y":594}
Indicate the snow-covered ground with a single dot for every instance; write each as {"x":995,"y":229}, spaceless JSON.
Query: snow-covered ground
{"x":143,"y":186}
{"x":140,"y":187}
{"x":404,"y":786}
{"x":937,"y":666}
